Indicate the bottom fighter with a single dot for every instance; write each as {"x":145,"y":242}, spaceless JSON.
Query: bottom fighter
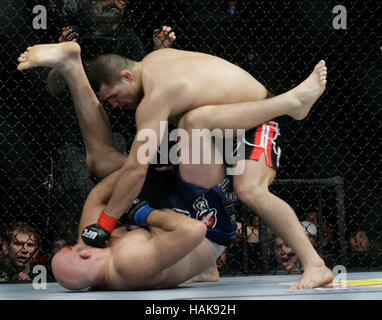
{"x":156,"y":248}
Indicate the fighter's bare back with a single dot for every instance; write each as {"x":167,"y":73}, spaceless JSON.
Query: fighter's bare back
{"x":191,"y":80}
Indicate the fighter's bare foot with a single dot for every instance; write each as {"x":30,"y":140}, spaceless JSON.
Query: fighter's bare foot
{"x":314,"y":276}
{"x":307,"y":92}
{"x":57,"y":55}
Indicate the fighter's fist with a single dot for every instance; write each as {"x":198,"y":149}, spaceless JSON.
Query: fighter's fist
{"x":137,"y":213}
{"x":95,"y":236}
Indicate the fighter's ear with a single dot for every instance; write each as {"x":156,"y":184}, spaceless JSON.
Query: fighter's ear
{"x":126,"y":74}
{"x":85,"y":254}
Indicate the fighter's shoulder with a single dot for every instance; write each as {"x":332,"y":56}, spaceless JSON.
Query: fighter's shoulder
{"x":128,"y":246}
{"x":131,"y":259}
{"x":165,"y":53}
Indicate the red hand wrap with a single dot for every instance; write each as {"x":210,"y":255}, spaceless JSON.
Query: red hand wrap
{"x":106,"y":222}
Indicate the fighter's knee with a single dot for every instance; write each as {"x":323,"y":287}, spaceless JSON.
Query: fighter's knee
{"x":188,"y":121}
{"x":195,"y":119}
{"x":250,"y":193}
{"x":91,"y":161}
{"x":96,"y":164}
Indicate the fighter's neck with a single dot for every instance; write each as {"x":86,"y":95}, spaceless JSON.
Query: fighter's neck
{"x":104,"y":260}
{"x":138,"y":74}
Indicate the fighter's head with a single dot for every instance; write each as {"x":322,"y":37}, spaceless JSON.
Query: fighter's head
{"x":117,"y":80}
{"x":77,"y":267}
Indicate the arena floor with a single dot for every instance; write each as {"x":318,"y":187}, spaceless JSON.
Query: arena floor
{"x":357,"y":286}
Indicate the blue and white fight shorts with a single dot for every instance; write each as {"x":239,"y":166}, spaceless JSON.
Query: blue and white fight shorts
{"x":216,"y":207}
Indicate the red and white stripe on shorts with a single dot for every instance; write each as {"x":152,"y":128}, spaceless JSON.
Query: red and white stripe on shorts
{"x":264,"y":140}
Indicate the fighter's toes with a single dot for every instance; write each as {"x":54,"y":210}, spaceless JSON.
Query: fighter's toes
{"x":23,"y":65}
{"x":322,"y":72}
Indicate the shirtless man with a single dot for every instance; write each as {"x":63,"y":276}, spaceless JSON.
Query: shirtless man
{"x":170,"y":82}
{"x":169,"y":251}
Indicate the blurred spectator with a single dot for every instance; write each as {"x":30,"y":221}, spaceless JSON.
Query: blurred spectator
{"x":328,"y":244}
{"x":311,"y":231}
{"x":98,"y":25}
{"x":101,"y":28}
{"x":312,"y":217}
{"x":365,"y":253}
{"x":58,"y":245}
{"x":286,"y":259}
{"x":233,"y":257}
{"x":359,"y":241}
{"x":221,"y":261}
{"x":253,"y":232}
{"x":65,"y":233}
{"x":20,"y":246}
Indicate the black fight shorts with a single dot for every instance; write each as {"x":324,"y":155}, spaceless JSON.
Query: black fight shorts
{"x":266,"y":138}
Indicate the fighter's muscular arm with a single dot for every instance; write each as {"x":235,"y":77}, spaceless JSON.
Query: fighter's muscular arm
{"x":156,"y":106}
{"x":178,"y":235}
{"x":95,"y":202}
{"x":151,"y":111}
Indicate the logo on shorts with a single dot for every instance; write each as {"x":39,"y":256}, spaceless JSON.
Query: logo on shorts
{"x":204,"y":213}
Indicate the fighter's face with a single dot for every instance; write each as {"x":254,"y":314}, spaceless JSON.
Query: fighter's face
{"x":71,"y":253}
{"x":121,"y":94}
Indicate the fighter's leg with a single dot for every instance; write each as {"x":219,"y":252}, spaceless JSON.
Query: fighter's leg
{"x":296,"y":103}
{"x":252,"y":189}
{"x":94,"y":123}
{"x":203,"y":165}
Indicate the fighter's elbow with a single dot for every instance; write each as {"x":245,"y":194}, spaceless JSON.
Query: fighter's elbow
{"x":197,"y":231}
{"x":202,"y":229}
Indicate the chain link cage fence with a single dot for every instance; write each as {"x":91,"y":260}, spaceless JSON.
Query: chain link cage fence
{"x":330,"y":169}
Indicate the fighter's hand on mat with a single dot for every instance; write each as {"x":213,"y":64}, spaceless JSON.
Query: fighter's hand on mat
{"x":68,"y":34}
{"x":95,"y":236}
{"x":163,"y":38}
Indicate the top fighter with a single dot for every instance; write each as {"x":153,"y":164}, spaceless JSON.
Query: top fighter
{"x":170,"y":82}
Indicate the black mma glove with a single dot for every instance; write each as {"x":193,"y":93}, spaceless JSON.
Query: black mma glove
{"x":95,"y":236}
{"x":137,"y":213}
